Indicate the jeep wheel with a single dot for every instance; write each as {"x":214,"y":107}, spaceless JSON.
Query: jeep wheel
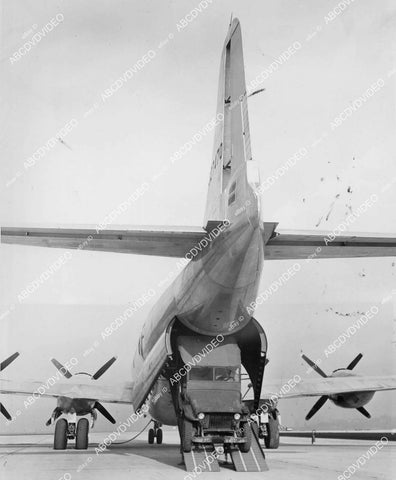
{"x":247,"y":435}
{"x":187,"y":435}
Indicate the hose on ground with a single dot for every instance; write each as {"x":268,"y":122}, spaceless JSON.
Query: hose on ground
{"x":134,"y":437}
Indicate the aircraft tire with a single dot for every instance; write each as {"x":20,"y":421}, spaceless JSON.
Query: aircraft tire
{"x":60,"y":435}
{"x":271,"y":440}
{"x":159,"y":436}
{"x":82,"y":434}
{"x":151,"y":436}
{"x":187,"y":435}
{"x":247,"y":433}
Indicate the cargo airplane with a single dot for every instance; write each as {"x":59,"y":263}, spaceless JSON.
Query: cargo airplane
{"x":208,"y":303}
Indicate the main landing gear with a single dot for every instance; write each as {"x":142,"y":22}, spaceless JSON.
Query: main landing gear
{"x":271,"y":439}
{"x":155,"y":433}
{"x":268,"y":429}
{"x":65,"y":431}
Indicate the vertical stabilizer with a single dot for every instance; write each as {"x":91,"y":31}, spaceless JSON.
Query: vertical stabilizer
{"x":234,"y":174}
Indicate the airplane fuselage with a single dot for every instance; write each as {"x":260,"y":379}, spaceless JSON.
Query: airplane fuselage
{"x":210,"y":296}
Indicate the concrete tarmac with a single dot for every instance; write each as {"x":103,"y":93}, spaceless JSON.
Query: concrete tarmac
{"x":31,"y":457}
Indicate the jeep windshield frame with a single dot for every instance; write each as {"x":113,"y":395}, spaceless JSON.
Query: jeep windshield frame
{"x":215,"y":374}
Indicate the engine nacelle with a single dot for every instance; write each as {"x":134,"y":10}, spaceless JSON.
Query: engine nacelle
{"x":352,"y":399}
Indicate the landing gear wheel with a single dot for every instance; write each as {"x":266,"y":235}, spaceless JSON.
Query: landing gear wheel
{"x":82,"y":434}
{"x":271,"y":440}
{"x":247,"y":434}
{"x":159,"y":436}
{"x":60,"y":435}
{"x":187,"y":434}
{"x":151,"y":436}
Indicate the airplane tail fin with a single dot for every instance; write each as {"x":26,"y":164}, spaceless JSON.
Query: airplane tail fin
{"x":234,"y":177}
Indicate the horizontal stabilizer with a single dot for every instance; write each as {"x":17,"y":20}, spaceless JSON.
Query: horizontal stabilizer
{"x":158,"y":241}
{"x":299,"y":245}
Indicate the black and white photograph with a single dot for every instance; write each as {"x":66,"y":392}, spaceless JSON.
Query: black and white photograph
{"x":198,"y":239}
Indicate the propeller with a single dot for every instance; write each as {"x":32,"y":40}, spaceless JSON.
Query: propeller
{"x":354,"y":362}
{"x":314,"y":366}
{"x":318,"y":405}
{"x":104,"y":412}
{"x":65,"y":372}
{"x":364,"y":412}
{"x":103,"y":369}
{"x":322,"y":400}
{"x":3,"y":365}
{"x":5,"y":412}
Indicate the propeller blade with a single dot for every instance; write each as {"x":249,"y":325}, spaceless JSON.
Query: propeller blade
{"x":104,"y":368}
{"x":314,"y":366}
{"x":364,"y":412}
{"x":63,"y":370}
{"x":8,"y":360}
{"x":104,"y":412}
{"x":354,"y":362}
{"x":4,"y":411}
{"x":318,"y":405}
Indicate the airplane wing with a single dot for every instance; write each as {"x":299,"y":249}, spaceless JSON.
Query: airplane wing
{"x":314,"y":387}
{"x":286,"y":245}
{"x":118,"y":393}
{"x":159,"y":241}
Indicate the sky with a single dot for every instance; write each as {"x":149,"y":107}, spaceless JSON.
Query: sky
{"x":128,"y":138}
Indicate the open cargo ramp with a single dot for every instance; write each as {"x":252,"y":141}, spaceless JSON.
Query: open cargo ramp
{"x":201,"y":459}
{"x":253,"y":460}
